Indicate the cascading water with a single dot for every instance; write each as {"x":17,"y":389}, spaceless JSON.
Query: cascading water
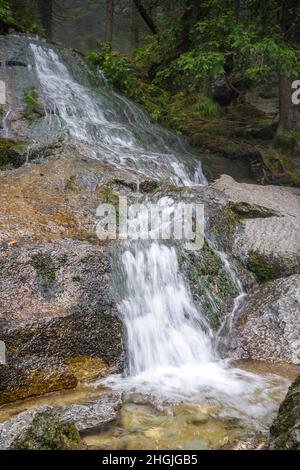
{"x":169,"y":342}
{"x":164,"y":328}
{"x":170,"y":345}
{"x":116,"y":129}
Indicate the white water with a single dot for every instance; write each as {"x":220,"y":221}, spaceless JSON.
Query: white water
{"x":226,"y":328}
{"x":5,"y":126}
{"x":169,"y":342}
{"x":117,"y":130}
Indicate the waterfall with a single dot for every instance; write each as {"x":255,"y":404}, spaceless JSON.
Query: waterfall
{"x":117,"y":130}
{"x":163,"y":326}
{"x":170,"y":346}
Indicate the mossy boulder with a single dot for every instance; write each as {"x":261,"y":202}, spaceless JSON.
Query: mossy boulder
{"x":285,"y":430}
{"x":266,"y":238}
{"x":33,"y":376}
{"x":39,"y":429}
{"x":210,"y":283}
{"x":12,"y":153}
{"x":288,"y":142}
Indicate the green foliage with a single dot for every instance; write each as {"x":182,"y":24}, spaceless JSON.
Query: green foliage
{"x":5,"y":11}
{"x":206,"y":107}
{"x":33,"y":110}
{"x":222,"y":42}
{"x":115,"y":67}
{"x":25,"y":14}
{"x":170,"y":74}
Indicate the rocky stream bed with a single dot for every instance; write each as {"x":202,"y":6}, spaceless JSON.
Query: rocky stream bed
{"x":61,"y":333}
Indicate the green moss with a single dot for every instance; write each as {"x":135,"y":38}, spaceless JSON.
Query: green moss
{"x":282,"y":433}
{"x":33,"y":109}
{"x":44,"y":266}
{"x":46,"y":283}
{"x":288,"y":141}
{"x":260,"y":267}
{"x":280,"y":168}
{"x":63,"y":259}
{"x":76,"y":279}
{"x":48,"y":433}
{"x":110,"y":197}
{"x":11,"y":153}
{"x":206,"y":107}
{"x":210,"y":283}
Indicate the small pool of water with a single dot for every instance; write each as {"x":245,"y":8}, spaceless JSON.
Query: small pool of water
{"x":183,"y":426}
{"x":145,"y":424}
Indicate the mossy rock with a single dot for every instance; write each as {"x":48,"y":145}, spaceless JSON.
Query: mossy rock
{"x":33,"y":377}
{"x":210,"y":283}
{"x":288,"y":142}
{"x":285,"y":430}
{"x":12,"y":153}
{"x":46,"y":282}
{"x":280,"y":168}
{"x":32,"y":110}
{"x":46,"y":432}
{"x":87,"y":368}
{"x":261,"y":267}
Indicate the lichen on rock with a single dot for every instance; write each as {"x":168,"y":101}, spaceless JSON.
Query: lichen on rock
{"x":39,"y":429}
{"x":285,"y":430}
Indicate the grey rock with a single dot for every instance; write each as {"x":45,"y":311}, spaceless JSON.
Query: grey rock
{"x":38,"y":429}
{"x":269,"y":323}
{"x":78,"y":318}
{"x":270,"y":224}
{"x":285,"y":430}
{"x":94,"y":415}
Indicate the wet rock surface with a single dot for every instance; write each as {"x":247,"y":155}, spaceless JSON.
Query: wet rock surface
{"x":92,"y":416}
{"x":59,"y":319}
{"x":39,"y":429}
{"x":285,"y":430}
{"x":268,"y":236}
{"x":58,"y":314}
{"x":57,"y":309}
{"x":267,"y":327}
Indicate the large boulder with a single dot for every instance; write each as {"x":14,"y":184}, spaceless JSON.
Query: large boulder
{"x":267,"y":238}
{"x":39,"y":429}
{"x":268,"y":325}
{"x":285,"y":430}
{"x":58,"y":318}
{"x":59,"y":321}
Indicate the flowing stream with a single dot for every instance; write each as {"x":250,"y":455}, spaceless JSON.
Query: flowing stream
{"x":170,"y":345}
{"x":117,"y":130}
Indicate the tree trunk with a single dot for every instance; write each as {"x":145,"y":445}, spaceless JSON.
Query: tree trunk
{"x":146,"y":17}
{"x":135,"y":30}
{"x":46,"y":12}
{"x":289,"y":110}
{"x":189,"y":18}
{"x":109,"y":20}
